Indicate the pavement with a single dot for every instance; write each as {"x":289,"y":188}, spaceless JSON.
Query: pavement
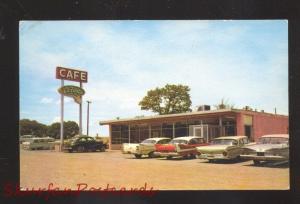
{"x":112,"y":169}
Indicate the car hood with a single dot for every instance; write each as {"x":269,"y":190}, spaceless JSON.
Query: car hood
{"x":265,"y":147}
{"x":212,"y":148}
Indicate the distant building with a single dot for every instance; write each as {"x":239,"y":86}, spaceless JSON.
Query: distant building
{"x":205,"y":123}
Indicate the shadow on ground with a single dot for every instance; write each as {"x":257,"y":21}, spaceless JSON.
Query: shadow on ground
{"x":271,"y":165}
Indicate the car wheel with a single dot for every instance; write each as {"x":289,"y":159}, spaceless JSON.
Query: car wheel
{"x":70,"y":150}
{"x":80,"y":149}
{"x":102,"y":149}
{"x":138,"y":156}
{"x":151,"y":154}
{"x":192,"y":156}
{"x":256,"y":162}
{"x":238,"y":158}
{"x":186,"y":156}
{"x":169,"y":157}
{"x":210,"y":160}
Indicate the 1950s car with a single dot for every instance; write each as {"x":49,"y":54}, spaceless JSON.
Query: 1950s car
{"x":84,"y":144}
{"x":26,"y":138}
{"x":227,"y":147}
{"x":180,"y":147}
{"x":147,"y":147}
{"x":38,"y":143}
{"x":268,"y":148}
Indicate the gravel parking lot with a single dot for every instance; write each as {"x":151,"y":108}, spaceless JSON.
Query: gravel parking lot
{"x":66,"y":170}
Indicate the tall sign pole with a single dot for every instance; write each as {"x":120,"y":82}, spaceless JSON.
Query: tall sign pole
{"x":88,"y":117}
{"x":80,"y":114}
{"x":62,"y":118}
{"x":72,"y":91}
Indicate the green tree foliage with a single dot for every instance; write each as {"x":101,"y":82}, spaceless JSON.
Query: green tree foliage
{"x":167,"y":100}
{"x":70,"y":129}
{"x":32,"y":127}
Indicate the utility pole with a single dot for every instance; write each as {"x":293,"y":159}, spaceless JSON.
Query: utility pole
{"x":88,"y":117}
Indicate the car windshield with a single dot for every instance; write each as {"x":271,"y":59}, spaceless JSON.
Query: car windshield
{"x":178,"y":141}
{"x":222,"y":141}
{"x":148,"y":141}
{"x":273,"y":140}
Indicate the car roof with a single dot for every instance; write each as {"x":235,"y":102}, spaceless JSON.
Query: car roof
{"x":38,"y":138}
{"x":83,"y":136}
{"x":186,"y":138}
{"x":232,"y":137}
{"x":277,"y":135}
{"x":157,"y":138}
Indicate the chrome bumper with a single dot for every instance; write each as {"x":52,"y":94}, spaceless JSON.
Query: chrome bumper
{"x":212,"y":156}
{"x":264,"y":158}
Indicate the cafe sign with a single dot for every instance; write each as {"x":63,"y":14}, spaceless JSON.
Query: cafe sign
{"x":71,"y":74}
{"x":72,"y":91}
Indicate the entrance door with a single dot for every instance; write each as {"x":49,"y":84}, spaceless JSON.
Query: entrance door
{"x":201,"y":131}
{"x":248,"y":129}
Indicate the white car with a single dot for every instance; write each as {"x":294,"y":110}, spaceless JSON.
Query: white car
{"x":270,"y":148}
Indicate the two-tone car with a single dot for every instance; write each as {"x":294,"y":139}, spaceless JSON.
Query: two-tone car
{"x":26,"y":138}
{"x":268,"y":148}
{"x":184,"y":147}
{"x":227,"y":147}
{"x":147,"y":147}
{"x":38,"y":143}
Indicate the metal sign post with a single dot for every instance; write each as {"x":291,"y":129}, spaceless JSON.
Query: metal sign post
{"x":80,"y":114}
{"x":62,"y":118}
{"x":88,"y":117}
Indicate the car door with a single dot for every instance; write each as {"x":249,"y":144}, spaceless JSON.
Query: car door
{"x":196,"y":142}
{"x":91,"y":143}
{"x":83,"y":142}
{"x":234,"y":149}
{"x":241,"y":144}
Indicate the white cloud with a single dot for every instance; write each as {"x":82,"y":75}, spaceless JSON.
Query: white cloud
{"x":46,"y":100}
{"x":66,"y":100}
{"x":56,"y":119}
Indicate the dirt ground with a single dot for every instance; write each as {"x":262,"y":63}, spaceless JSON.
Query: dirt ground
{"x":65,"y":170}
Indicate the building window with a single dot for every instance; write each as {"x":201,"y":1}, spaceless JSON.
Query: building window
{"x":181,"y":129}
{"x":116,"y":134}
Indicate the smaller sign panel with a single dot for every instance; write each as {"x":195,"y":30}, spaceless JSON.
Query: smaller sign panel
{"x":71,"y":74}
{"x":72,"y":91}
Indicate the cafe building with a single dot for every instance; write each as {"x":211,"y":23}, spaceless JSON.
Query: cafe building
{"x":205,"y":123}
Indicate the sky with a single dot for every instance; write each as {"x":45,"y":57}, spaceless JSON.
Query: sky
{"x":243,"y":61}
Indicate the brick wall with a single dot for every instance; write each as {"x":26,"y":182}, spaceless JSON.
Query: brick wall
{"x":269,"y":124}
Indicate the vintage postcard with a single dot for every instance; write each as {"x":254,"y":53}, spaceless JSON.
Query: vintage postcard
{"x":147,"y":105}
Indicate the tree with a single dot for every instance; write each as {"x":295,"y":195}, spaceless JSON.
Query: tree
{"x":70,"y":129}
{"x":167,"y":100}
{"x":224,"y":105}
{"x":32,"y":127}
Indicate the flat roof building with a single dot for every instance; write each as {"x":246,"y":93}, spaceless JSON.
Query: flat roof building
{"x":205,"y":123}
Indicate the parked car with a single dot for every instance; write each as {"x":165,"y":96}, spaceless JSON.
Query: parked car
{"x":268,"y":148}
{"x":84,"y":144}
{"x":25,"y":138}
{"x":129,"y":148}
{"x":36,"y":143}
{"x":227,"y":147}
{"x":147,"y":147}
{"x":180,"y":147}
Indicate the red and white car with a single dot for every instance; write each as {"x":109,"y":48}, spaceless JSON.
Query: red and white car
{"x":180,"y":147}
